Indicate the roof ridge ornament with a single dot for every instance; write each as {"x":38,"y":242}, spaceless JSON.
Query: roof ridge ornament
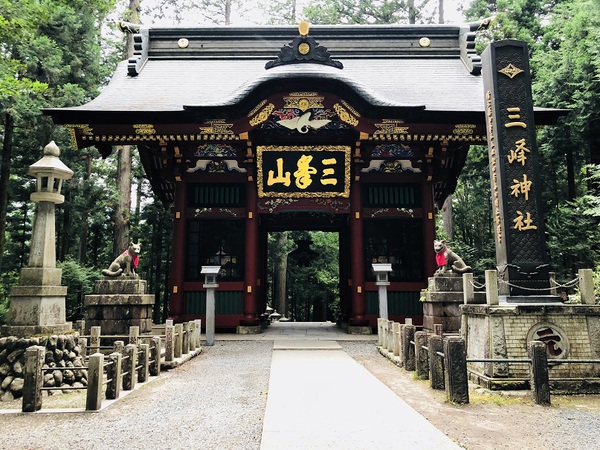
{"x":304,"y":49}
{"x":141,"y":40}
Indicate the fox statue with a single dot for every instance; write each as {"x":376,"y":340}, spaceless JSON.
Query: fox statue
{"x":447,"y":260}
{"x":126,"y":263}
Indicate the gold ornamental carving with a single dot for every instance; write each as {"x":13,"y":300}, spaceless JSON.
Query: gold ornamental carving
{"x":262,"y":116}
{"x":257,"y":108}
{"x":389,"y":126}
{"x":84,"y":130}
{"x":511,"y":71}
{"x":303,"y":101}
{"x":463,"y":129}
{"x":344,"y":115}
{"x":144,"y":129}
{"x":219,"y":127}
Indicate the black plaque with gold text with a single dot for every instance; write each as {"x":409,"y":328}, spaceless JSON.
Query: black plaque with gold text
{"x":516,"y":192}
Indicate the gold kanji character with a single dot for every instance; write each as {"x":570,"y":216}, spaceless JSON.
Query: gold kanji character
{"x":523,"y":223}
{"x":282,"y":178}
{"x":303,"y":179}
{"x":329,"y":172}
{"x":521,"y":187}
{"x":518,"y":154}
{"x":515,"y":117}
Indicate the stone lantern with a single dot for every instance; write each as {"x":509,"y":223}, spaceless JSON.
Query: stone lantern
{"x":37,"y":303}
{"x":381,"y":280}
{"x":210,"y":284}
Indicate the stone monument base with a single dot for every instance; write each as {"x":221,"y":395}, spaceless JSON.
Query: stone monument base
{"x":570,"y":332}
{"x":117,"y":304}
{"x":33,"y":330}
{"x":249,"y":329}
{"x":442,"y":302}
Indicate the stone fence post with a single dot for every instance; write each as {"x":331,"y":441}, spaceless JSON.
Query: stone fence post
{"x":113,"y":375}
{"x":169,"y":341}
{"x":95,"y":333}
{"x":379,"y":331}
{"x":421,"y":356}
{"x":468,"y":289}
{"x":178,"y":341}
{"x":129,"y":365}
{"x":436,"y":362}
{"x":540,"y":382}
{"x":134,"y":335}
{"x":455,"y":365}
{"x":491,"y":287}
{"x":118,"y":346}
{"x":198,"y":323}
{"x":33,"y":378}
{"x":408,"y":349}
{"x":586,"y":286}
{"x":185,"y":339}
{"x":144,"y":363}
{"x":93,"y":400}
{"x":155,"y":348}
{"x":396,"y":339}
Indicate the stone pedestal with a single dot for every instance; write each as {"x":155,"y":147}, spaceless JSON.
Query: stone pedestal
{"x":442,"y":302}
{"x":569,"y":332}
{"x":37,"y":309}
{"x":117,"y":304}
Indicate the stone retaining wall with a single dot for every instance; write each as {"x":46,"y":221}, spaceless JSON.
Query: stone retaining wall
{"x":61,"y":351}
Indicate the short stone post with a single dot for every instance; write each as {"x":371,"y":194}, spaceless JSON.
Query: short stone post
{"x":185,"y":339}
{"x":421,"y":356}
{"x":34,"y":378}
{"x":438,"y":329}
{"x":408,"y":350}
{"x":540,"y":382}
{"x":198,"y":323}
{"x":468,"y":289}
{"x":82,"y":342}
{"x":390,"y":337}
{"x":379,"y":331}
{"x":192,"y":336}
{"x":134,"y":335}
{"x":178,"y":341}
{"x":113,"y":375}
{"x":396,"y":339}
{"x":455,"y":364}
{"x":169,"y":341}
{"x":553,"y":289}
{"x":95,"y":339}
{"x":93,"y":400}
{"x":129,"y":367}
{"x":154,"y":366}
{"x":384,"y":344}
{"x":491,"y":287}
{"x":586,"y":286}
{"x":436,"y":362}
{"x":144,"y":363}
{"x":119,"y":346}
{"x":80,"y":326}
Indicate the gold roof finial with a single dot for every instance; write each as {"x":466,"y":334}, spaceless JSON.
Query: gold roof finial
{"x":303,"y":27}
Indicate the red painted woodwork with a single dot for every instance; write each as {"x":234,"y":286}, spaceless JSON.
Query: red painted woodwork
{"x":357,"y":266}
{"x":250,"y":276}
{"x":178,"y":260}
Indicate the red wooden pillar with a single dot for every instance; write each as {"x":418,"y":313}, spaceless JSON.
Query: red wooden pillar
{"x":251,"y":251}
{"x":357,"y":257}
{"x":178,"y":254}
{"x":428,"y":228}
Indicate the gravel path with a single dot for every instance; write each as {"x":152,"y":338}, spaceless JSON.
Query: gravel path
{"x":215,"y":401}
{"x":218,"y":399}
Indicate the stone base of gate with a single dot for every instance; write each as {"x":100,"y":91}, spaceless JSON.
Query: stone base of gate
{"x":249,"y":329}
{"x":118,"y":304}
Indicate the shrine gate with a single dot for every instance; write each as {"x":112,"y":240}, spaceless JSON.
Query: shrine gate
{"x":360,"y":130}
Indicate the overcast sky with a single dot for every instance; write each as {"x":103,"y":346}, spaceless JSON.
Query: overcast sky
{"x":254,"y":15}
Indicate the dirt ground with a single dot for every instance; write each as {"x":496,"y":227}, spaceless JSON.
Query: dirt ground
{"x":496,"y":421}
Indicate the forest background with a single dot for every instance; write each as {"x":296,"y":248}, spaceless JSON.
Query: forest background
{"x":58,"y":53}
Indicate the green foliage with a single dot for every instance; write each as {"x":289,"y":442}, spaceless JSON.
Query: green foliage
{"x":79,"y":280}
{"x":7,"y":281}
{"x":363,"y":12}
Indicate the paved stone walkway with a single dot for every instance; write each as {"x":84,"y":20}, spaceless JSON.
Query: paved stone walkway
{"x":311,"y":405}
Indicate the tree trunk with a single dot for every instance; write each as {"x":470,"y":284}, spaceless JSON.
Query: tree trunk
{"x":227,"y":12}
{"x":412,"y":12}
{"x":279,"y":285}
{"x":7,"y":148}
{"x":123,"y":209}
{"x":440,"y":11}
{"x":448,"y":223}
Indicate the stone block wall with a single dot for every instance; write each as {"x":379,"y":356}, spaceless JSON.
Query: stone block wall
{"x":570,"y":331}
{"x":61,"y":351}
